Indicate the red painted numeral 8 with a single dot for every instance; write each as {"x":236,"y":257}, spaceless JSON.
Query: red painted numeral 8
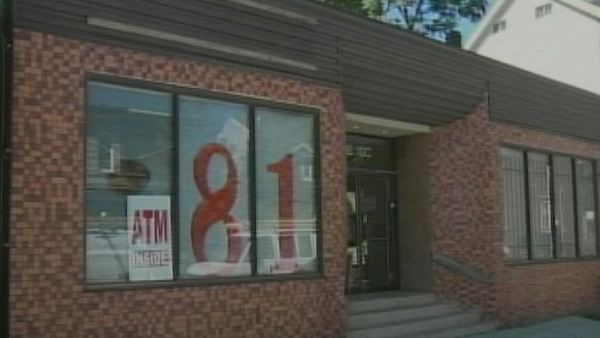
{"x":216,"y":205}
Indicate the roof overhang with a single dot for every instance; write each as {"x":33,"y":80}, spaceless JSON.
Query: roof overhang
{"x":382,"y":127}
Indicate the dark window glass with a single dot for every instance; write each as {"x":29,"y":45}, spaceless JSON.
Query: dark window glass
{"x":564,"y":216}
{"x":515,"y":217}
{"x":586,"y":219}
{"x":556,"y":193}
{"x":128,"y":184}
{"x":540,"y":206}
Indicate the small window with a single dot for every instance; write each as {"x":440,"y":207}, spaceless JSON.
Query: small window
{"x":543,"y":10}
{"x":499,"y":26}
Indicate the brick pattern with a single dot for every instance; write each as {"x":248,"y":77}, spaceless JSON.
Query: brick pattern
{"x":47,"y":255}
{"x":467,"y":210}
{"x":464,"y":185}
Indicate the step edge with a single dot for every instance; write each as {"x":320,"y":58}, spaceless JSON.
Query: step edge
{"x":445,"y":313}
{"x":458,"y":315}
{"x":484,"y":326}
{"x":403,"y":308}
{"x":354,"y":306}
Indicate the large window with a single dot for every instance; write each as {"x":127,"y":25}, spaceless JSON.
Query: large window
{"x":515,"y":216}
{"x":539,"y":205}
{"x":586,"y":220}
{"x":183,"y":187}
{"x":564,"y":214}
{"x":549,"y":206}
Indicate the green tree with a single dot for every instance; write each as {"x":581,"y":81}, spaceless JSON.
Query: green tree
{"x":356,"y":6}
{"x":434,"y":18}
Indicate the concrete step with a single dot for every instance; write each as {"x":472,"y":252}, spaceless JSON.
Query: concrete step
{"x":387,"y":300}
{"x":458,"y":332}
{"x":414,"y":328}
{"x":370,"y":319}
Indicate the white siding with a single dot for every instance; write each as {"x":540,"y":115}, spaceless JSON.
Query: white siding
{"x":563,"y":45}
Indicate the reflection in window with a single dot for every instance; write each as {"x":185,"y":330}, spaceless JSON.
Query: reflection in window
{"x":129,"y":152}
{"x":586,"y":220}
{"x":285,"y":198}
{"x":561,"y":204}
{"x":213,"y":188}
{"x":130,"y":155}
{"x":563,"y":207}
{"x":540,"y":207}
{"x":515,"y":217}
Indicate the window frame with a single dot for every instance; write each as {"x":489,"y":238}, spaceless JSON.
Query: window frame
{"x":543,"y":10}
{"x":499,"y":26}
{"x":525,"y":150}
{"x":252,"y":102}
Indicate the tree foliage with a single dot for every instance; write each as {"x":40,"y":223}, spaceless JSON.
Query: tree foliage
{"x":434,"y":18}
{"x":356,"y":6}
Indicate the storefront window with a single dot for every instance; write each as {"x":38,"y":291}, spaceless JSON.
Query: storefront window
{"x":285,"y":192}
{"x":156,"y":173}
{"x":213,"y":188}
{"x":128,"y":184}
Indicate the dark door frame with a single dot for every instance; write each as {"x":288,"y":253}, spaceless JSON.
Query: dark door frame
{"x":6,"y":50}
{"x":391,"y":217}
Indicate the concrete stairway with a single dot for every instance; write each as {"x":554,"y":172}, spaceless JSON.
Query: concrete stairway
{"x":403,"y":315}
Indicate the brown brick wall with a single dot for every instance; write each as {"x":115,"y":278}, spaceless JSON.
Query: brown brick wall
{"x":467,"y":209}
{"x":47,"y":255}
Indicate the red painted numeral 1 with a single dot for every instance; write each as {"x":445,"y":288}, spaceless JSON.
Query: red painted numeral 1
{"x":285,"y":170}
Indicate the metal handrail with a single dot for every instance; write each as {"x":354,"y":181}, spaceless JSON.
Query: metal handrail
{"x":463,"y":269}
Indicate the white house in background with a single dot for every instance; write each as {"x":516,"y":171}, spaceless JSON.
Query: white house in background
{"x":559,"y":39}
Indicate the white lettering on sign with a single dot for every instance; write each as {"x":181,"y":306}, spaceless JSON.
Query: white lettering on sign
{"x":359,"y":151}
{"x":151,"y":258}
{"x":364,"y":152}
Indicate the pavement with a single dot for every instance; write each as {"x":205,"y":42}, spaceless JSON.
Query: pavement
{"x":567,"y":327}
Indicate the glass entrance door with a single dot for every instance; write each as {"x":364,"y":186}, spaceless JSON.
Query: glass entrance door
{"x":371,"y":259}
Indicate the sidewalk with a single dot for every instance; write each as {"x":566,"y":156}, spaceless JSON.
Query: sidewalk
{"x":567,"y":327}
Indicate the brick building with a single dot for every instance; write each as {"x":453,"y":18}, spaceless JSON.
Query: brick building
{"x":258,"y":168}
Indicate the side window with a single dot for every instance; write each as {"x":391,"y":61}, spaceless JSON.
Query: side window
{"x":539,"y":201}
{"x":586,"y":218}
{"x":515,"y":216}
{"x":550,"y":205}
